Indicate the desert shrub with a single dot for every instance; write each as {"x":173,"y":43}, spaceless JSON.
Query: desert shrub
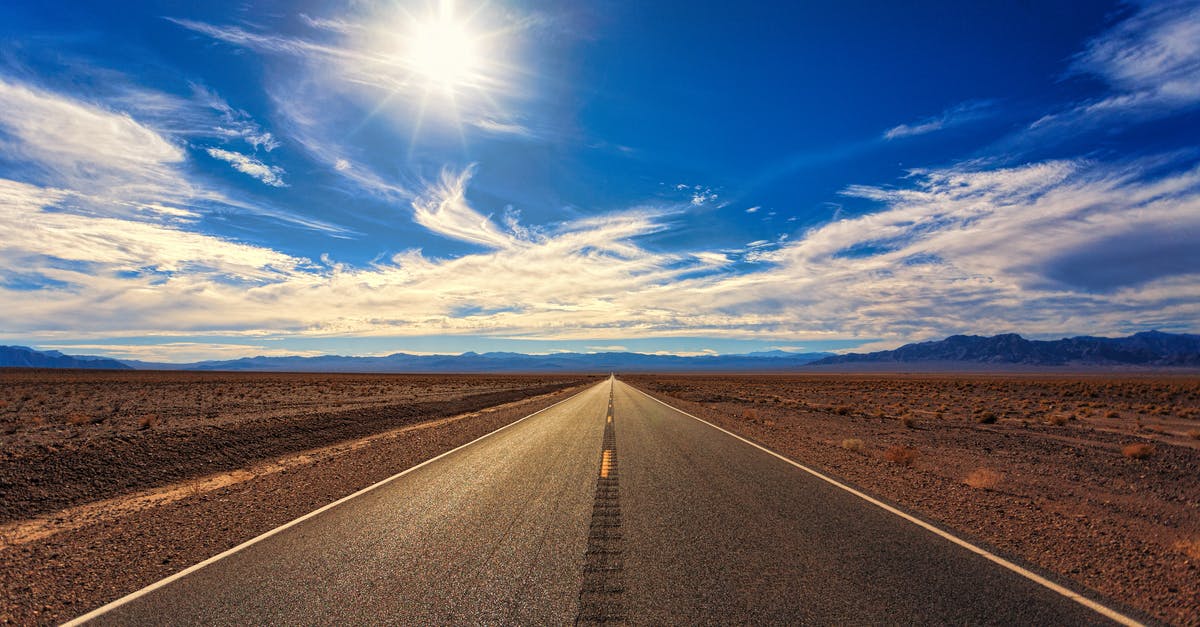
{"x":903,"y":455}
{"x":984,"y":479}
{"x":853,"y":444}
{"x":750,"y":414}
{"x":1057,"y":420}
{"x":149,"y":421}
{"x":1190,"y":548}
{"x":78,"y":419}
{"x":1138,"y":451}
{"x":986,"y":418}
{"x":1112,"y":414}
{"x":1194,"y":434}
{"x":842,"y":410}
{"x":909,"y":421}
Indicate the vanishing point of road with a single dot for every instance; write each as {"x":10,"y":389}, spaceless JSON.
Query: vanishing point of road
{"x":609,"y":507}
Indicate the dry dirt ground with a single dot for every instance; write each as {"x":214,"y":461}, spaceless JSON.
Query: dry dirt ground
{"x":95,"y":508}
{"x":1093,"y":478}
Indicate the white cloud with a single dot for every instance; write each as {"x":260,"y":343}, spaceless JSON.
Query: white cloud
{"x":444,"y":210}
{"x":1151,"y":62}
{"x":753,"y":209}
{"x":234,"y":122}
{"x":113,"y":164}
{"x":178,"y":352}
{"x":711,"y":258}
{"x":71,"y":142}
{"x":504,"y":128}
{"x":960,"y":114}
{"x":702,"y":195}
{"x":31,"y":228}
{"x":268,"y":174}
{"x":1045,"y":248}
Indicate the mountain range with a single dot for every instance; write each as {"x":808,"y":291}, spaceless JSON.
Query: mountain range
{"x":467,"y":362}
{"x":1147,"y":349}
{"x":24,"y":357}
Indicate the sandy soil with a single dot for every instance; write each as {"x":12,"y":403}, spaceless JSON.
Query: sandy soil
{"x":1032,"y":466}
{"x":72,"y":437}
{"x":62,"y":563}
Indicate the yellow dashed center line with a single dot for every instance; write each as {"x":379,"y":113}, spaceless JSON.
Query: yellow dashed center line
{"x":606,"y":464}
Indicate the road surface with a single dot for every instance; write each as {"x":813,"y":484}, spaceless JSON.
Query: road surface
{"x":608,"y":507}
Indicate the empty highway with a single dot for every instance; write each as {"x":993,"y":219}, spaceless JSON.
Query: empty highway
{"x":608,"y":507}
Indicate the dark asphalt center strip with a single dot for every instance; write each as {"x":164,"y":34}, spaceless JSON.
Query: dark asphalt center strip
{"x":603,"y":584}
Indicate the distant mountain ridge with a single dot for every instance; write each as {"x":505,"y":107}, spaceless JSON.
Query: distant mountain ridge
{"x":466,"y":362}
{"x":507,"y":362}
{"x":1148,"y":348}
{"x":25,"y":357}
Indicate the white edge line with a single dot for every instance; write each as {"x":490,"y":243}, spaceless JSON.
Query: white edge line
{"x":1032,"y":576}
{"x":104,"y":609}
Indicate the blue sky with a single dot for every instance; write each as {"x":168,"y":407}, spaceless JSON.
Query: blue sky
{"x":182,"y":182}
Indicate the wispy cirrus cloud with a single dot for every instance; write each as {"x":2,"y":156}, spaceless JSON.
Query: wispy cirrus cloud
{"x":234,"y":123}
{"x":954,"y":116}
{"x":268,"y":174}
{"x":66,"y":141}
{"x":956,"y":249}
{"x":116,"y":165}
{"x":443,"y":209}
{"x":500,"y":127}
{"x":1150,"y":61}
{"x":178,"y":352}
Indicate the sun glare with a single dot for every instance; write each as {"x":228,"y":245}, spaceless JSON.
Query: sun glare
{"x":444,"y":51}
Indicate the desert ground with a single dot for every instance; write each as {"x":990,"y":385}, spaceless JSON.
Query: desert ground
{"x":113,"y":480}
{"x":1092,"y":478}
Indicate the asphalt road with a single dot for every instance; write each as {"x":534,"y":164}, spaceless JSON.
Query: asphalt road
{"x":591,"y":512}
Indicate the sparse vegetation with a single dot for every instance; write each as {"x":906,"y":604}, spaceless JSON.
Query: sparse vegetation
{"x":1194,"y":434}
{"x":1138,"y":451}
{"x":853,"y":444}
{"x":147,"y":421}
{"x":117,"y":401}
{"x":909,"y":421}
{"x":903,"y":455}
{"x":984,"y":479}
{"x":1056,"y":420}
{"x":1190,"y":548}
{"x":986,"y":418}
{"x":750,"y":414}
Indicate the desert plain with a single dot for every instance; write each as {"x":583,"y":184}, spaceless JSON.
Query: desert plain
{"x":113,"y":480}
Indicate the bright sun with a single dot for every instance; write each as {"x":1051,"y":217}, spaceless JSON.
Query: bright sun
{"x":444,"y":51}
